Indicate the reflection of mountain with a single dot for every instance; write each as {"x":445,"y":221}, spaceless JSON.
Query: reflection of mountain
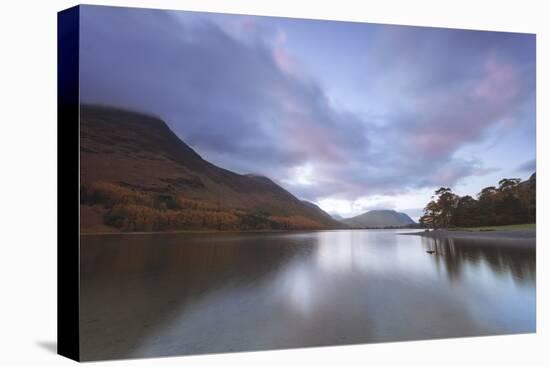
{"x":132,"y":286}
{"x":379,"y":219}
{"x":137,"y":175}
{"x":455,"y":254}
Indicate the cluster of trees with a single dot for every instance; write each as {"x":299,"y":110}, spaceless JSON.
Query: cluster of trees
{"x":512,"y":202}
{"x":131,"y":210}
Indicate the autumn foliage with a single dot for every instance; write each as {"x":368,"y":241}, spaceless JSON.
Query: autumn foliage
{"x":129,"y":209}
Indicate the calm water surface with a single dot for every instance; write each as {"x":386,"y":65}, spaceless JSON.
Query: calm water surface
{"x":167,"y":294}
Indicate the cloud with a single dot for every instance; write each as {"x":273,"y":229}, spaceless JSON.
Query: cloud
{"x":529,"y":166}
{"x":231,"y":88}
{"x":228,"y":99}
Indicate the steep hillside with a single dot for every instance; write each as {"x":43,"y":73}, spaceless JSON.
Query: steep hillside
{"x":137,"y":175}
{"x":379,"y":219}
{"x":320,"y":212}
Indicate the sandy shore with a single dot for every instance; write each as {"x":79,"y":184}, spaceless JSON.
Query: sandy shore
{"x":523,"y":238}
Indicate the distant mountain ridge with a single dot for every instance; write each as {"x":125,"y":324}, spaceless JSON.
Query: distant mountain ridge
{"x":379,"y":219}
{"x":137,"y":175}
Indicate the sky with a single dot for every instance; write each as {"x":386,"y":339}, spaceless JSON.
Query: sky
{"x":350,"y":116}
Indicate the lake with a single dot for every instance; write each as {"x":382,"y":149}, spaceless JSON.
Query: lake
{"x":145,"y":295}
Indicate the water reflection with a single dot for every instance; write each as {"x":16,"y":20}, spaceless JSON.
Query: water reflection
{"x":151,"y":295}
{"x":132,"y":285}
{"x":456,"y":254}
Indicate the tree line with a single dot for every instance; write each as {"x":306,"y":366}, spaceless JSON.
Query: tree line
{"x":511,"y":202}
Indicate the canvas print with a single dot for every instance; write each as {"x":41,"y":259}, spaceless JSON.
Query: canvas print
{"x":252,"y":183}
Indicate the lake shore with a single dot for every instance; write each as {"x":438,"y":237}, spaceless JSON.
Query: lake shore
{"x":206,"y":232}
{"x":515,"y":238}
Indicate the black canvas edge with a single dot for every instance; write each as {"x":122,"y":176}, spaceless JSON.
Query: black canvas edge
{"x":68,"y":183}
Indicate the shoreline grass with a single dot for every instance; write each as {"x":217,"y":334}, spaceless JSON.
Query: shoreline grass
{"x":510,"y":227}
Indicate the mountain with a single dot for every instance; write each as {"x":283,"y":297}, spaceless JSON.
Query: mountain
{"x":379,"y":219}
{"x":137,"y":175}
{"x":320,"y":212}
{"x":337,"y":217}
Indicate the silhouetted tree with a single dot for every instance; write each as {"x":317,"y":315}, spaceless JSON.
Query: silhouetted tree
{"x":508,"y":184}
{"x":447,"y":202}
{"x":466,"y":213}
{"x":431,"y":216}
{"x":512,"y":202}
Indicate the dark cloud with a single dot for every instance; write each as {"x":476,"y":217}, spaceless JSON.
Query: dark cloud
{"x":244,"y":104}
{"x":224,"y":97}
{"x":529,"y":166}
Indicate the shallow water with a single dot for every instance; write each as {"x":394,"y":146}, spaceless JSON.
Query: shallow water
{"x":168,"y":294}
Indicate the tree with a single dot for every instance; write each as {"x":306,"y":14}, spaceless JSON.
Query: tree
{"x":508,"y":209}
{"x":507,"y":184}
{"x":486,"y":206}
{"x":432,"y":212}
{"x":487,"y":192}
{"x":466,"y":213}
{"x":447,"y":202}
{"x":512,"y":202}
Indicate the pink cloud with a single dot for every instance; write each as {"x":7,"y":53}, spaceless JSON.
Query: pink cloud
{"x":247,"y":23}
{"x":281,"y":37}
{"x":284,"y":60}
{"x":433,"y":143}
{"x":499,"y":84}
{"x":308,"y":138}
